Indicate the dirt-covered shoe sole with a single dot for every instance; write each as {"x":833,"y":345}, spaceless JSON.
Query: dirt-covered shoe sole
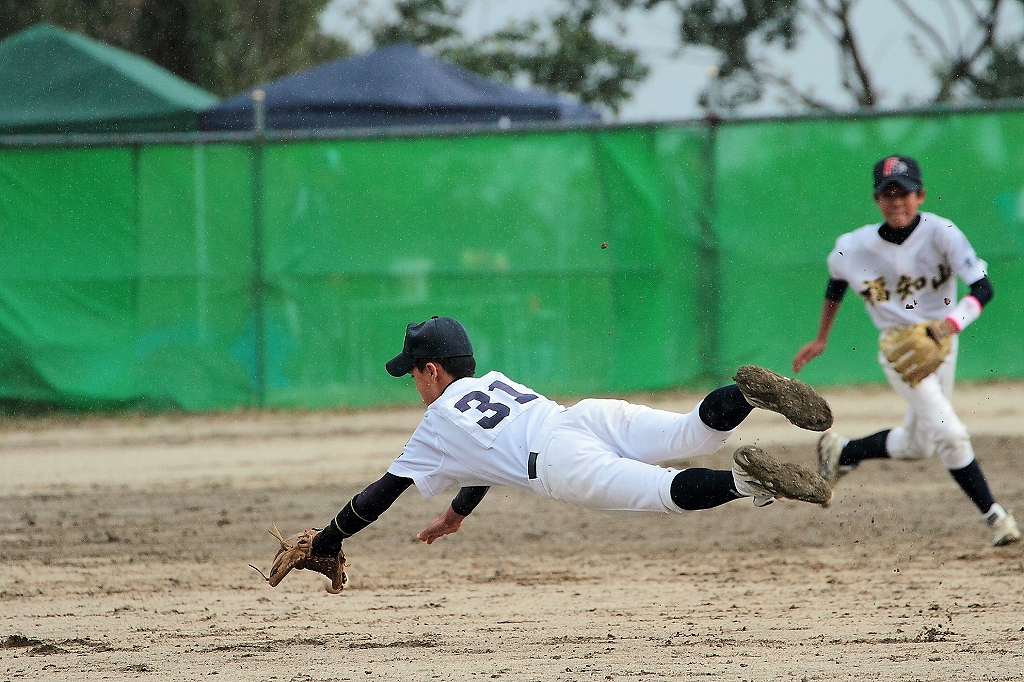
{"x":782,"y":479}
{"x":794,"y":400}
{"x":830,"y":449}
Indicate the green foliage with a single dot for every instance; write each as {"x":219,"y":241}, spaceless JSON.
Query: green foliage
{"x":227,"y":46}
{"x":421,"y":22}
{"x":732,"y":29}
{"x":729,"y":28}
{"x":1003,"y":76}
{"x":224,"y":46}
{"x":104,"y":20}
{"x":247,"y":42}
{"x":564,"y":54}
{"x":974,"y":49}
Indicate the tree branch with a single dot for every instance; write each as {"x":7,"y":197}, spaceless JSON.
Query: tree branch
{"x":930,"y":30}
{"x":961,"y":60}
{"x":856,"y":79}
{"x":789,"y":88}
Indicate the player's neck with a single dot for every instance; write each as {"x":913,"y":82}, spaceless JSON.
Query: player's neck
{"x":898,"y":235}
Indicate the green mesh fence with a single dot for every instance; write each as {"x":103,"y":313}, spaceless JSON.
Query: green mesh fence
{"x":504,"y":233}
{"x":195,"y":331}
{"x":67,"y":274}
{"x":202,"y":275}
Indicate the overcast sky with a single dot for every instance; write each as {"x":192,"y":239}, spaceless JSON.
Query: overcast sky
{"x":670,"y":92}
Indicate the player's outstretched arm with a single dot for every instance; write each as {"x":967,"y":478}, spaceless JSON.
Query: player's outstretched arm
{"x":320,"y":550}
{"x":362,"y":510}
{"x":462,"y":506}
{"x":809,"y":351}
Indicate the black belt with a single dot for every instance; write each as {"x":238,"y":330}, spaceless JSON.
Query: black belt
{"x":531,"y":466}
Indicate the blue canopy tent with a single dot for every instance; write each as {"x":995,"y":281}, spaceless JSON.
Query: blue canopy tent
{"x":397,"y":85}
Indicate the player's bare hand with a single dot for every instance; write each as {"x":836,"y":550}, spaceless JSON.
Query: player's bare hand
{"x":806,"y":354}
{"x":445,"y":524}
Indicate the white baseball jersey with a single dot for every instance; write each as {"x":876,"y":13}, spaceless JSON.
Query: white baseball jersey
{"x":477,"y":433}
{"x":601,"y":454}
{"x":910,"y":282}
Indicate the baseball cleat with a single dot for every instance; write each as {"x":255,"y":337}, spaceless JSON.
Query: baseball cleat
{"x":794,"y":400}
{"x":830,"y":449}
{"x":1003,"y":525}
{"x":757,"y":474}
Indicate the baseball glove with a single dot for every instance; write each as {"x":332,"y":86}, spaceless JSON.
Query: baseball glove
{"x":295,"y":552}
{"x":916,"y":351}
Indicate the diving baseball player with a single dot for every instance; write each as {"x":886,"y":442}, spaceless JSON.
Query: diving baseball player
{"x":905,"y":269}
{"x":602,"y":454}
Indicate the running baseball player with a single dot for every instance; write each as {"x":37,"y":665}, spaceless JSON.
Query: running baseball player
{"x":602,"y":454}
{"x":905,"y":269}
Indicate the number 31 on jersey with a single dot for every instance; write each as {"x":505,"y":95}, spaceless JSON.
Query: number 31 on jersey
{"x":489,"y":407}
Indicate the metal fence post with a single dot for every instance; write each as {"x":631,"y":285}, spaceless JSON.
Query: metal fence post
{"x":258,"y":284}
{"x":709,"y":322}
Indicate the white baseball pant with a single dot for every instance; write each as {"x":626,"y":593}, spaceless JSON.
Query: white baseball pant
{"x":603,"y":454}
{"x":930,"y":426}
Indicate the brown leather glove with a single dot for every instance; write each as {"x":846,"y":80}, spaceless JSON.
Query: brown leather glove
{"x":296,"y":552}
{"x":916,"y":351}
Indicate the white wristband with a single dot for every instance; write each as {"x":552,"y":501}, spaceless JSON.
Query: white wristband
{"x":965,"y":312}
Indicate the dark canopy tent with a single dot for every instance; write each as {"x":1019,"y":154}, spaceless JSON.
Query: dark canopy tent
{"x":392,"y":86}
{"x":55,"y":81}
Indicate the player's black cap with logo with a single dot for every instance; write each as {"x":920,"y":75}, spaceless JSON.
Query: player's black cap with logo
{"x":437,"y":338}
{"x":901,"y":170}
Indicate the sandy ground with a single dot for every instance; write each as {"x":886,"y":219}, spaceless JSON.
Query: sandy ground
{"x":126,"y":544}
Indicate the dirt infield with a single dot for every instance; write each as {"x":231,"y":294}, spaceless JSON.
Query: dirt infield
{"x":126,"y":545}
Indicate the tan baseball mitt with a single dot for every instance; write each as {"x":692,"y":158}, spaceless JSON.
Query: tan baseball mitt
{"x":917,"y":350}
{"x":296,"y":552}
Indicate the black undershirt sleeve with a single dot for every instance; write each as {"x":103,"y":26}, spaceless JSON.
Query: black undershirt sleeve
{"x":836,"y":289}
{"x":374,"y":500}
{"x":468,"y":498}
{"x":360,"y":512}
{"x":982,"y":290}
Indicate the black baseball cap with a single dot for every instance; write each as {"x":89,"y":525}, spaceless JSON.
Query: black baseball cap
{"x":902,"y":170}
{"x":437,"y":338}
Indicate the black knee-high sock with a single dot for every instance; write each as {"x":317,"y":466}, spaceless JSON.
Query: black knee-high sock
{"x":724,"y":408}
{"x":973,"y":483}
{"x":702,"y":488}
{"x":869,"y":447}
